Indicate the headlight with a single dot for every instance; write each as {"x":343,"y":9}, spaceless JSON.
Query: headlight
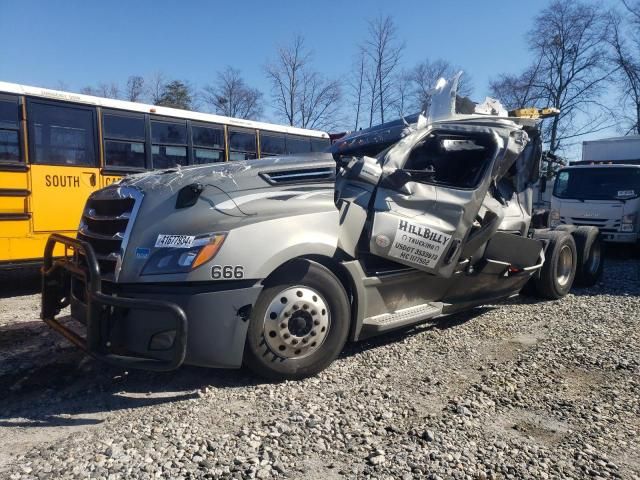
{"x":627,"y":222}
{"x":554,"y":218}
{"x":181,"y":260}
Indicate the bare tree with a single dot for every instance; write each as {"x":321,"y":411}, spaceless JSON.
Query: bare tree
{"x":61,"y":85}
{"x":425,"y":75}
{"x":302,"y":96}
{"x":356,"y":85}
{"x":626,"y":60}
{"x":569,"y":47}
{"x":403,"y":83}
{"x":135,"y":88}
{"x":518,"y":91}
{"x":383,"y":51}
{"x":285,"y":74}
{"x":108,"y":90}
{"x":319,"y":101}
{"x":88,"y":90}
{"x":231,"y":96}
{"x":156,"y":86}
{"x":105,"y":90}
{"x":371,"y":82}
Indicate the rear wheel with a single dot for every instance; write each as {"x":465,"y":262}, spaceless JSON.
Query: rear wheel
{"x":559,"y":269}
{"x":590,"y":258}
{"x":299,"y":324}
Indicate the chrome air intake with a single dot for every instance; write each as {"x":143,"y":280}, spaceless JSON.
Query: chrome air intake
{"x":106,"y":222}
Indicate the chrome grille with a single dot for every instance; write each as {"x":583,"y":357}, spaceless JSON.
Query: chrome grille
{"x":605,"y":225}
{"x":106,"y":223}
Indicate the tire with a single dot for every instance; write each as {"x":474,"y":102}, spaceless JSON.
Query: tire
{"x":590,"y":257}
{"x":299,"y":323}
{"x":559,"y":269}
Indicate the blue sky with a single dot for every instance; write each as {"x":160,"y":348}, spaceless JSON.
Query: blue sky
{"x":83,"y":43}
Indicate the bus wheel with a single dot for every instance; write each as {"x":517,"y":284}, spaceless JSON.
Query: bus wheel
{"x":559,"y":269}
{"x":299,"y":323}
{"x":590,"y":258}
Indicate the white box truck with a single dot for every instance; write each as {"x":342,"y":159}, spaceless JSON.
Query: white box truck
{"x":603,"y":189}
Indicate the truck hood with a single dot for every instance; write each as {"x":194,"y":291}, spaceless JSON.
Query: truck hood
{"x":233,"y":196}
{"x":228,"y":177}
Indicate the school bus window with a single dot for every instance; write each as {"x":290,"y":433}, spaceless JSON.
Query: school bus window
{"x":9,"y":113}
{"x":167,"y":156}
{"x":242,"y":144}
{"x":124,"y":141}
{"x":206,"y":155}
{"x":208,"y":144}
{"x":124,"y":154}
{"x":271,"y":144}
{"x":168,"y":132}
{"x":9,"y":131}
{"x":124,"y":127}
{"x":298,"y":144}
{"x":320,"y":144}
{"x":61,"y":135}
{"x":169,"y":143}
{"x":209,"y":137}
{"x":9,"y":146}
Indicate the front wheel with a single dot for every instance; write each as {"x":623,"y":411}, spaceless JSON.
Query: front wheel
{"x":299,"y":323}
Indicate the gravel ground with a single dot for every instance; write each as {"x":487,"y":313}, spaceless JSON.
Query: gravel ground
{"x":516,"y":390}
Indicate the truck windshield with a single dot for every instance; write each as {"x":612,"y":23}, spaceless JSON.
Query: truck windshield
{"x":604,"y":183}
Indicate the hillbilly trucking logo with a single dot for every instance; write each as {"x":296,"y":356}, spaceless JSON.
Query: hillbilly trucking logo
{"x":418,"y":244}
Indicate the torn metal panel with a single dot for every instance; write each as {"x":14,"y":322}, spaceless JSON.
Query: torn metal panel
{"x":442,"y":104}
{"x":491,"y":106}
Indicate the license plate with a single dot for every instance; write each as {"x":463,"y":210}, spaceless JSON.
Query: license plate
{"x":174,"y":241}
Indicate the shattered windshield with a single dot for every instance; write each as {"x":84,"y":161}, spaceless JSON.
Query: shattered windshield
{"x":608,"y":183}
{"x":456,"y":161}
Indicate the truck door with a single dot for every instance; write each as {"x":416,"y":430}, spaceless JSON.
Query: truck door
{"x":428,"y":198}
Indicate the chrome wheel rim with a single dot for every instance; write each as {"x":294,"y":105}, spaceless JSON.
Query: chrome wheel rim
{"x":594,"y":257}
{"x":565,"y":265}
{"x":296,"y":322}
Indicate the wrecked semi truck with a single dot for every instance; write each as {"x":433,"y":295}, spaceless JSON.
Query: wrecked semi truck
{"x":275,"y":264}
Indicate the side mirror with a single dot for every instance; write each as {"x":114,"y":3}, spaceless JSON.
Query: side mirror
{"x":363,"y":169}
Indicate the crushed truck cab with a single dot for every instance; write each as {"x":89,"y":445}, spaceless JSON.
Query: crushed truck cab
{"x":276,"y":263}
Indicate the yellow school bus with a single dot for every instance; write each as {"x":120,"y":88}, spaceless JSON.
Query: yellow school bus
{"x":58,"y":147}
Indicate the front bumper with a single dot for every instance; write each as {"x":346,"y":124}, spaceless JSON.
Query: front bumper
{"x":615,"y":237}
{"x":153,"y":327}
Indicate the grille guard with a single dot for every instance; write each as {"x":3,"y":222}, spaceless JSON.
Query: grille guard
{"x":56,"y":293}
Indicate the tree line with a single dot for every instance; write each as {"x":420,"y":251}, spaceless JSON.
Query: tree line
{"x":582,"y":56}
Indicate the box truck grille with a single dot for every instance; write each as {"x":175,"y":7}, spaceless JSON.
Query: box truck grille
{"x":606,"y":225}
{"x":105,"y":224}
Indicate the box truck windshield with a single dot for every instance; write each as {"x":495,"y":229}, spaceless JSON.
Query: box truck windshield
{"x":609,"y":183}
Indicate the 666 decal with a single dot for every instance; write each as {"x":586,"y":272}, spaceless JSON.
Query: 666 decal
{"x":227,"y":272}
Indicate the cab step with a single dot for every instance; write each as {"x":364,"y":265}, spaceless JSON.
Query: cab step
{"x":400,"y":318}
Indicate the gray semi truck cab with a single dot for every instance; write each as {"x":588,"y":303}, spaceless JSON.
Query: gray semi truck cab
{"x":276,"y":263}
